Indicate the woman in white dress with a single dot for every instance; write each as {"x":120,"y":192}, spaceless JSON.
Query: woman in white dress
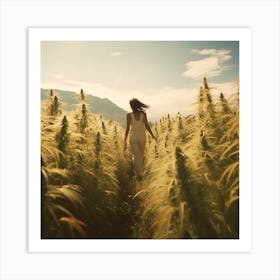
{"x":137,"y":124}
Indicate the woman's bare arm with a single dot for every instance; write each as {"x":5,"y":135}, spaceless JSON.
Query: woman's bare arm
{"x":128,"y":121}
{"x":148,"y":126}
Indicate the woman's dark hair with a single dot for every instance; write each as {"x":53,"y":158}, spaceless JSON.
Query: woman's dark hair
{"x":137,"y":105}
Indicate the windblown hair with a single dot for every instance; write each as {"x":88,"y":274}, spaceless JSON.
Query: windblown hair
{"x":137,"y":106}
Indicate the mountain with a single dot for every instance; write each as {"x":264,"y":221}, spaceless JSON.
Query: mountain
{"x":97,"y":105}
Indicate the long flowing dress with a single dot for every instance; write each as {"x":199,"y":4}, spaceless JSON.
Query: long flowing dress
{"x":137,"y":142}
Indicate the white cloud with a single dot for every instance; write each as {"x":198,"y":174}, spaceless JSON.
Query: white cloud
{"x":170,"y":101}
{"x":226,"y":88}
{"x":211,"y":66}
{"x":116,"y":54}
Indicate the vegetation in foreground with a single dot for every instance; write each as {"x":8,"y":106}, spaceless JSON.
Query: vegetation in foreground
{"x":190,"y":187}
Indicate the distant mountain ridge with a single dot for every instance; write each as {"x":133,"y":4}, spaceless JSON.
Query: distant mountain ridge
{"x":96,"y":104}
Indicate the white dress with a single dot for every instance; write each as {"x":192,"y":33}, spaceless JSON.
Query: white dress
{"x":137,"y":142}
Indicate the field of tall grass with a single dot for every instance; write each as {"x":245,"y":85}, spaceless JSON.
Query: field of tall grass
{"x":190,"y":187}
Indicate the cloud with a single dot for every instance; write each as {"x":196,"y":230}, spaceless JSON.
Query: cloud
{"x":222,"y":54}
{"x":227,"y":89}
{"x":169,"y":101}
{"x":116,"y":54}
{"x":211,"y":66}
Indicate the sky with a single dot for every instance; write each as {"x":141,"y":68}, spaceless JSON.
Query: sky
{"x":164,"y":74}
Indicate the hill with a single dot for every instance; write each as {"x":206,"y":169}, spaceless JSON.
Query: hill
{"x":96,"y":105}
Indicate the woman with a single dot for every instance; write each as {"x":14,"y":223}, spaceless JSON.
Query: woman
{"x":137,"y":121}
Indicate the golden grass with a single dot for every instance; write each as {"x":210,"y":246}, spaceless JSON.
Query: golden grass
{"x":191,"y":174}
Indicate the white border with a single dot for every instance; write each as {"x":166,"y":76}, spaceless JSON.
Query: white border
{"x":263,"y":261}
{"x":243,"y":35}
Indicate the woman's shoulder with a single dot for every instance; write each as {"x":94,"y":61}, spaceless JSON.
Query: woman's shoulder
{"x":141,"y":114}
{"x":128,"y":116}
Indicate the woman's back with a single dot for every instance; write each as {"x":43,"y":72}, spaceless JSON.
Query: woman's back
{"x":136,"y":126}
{"x":137,"y":123}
